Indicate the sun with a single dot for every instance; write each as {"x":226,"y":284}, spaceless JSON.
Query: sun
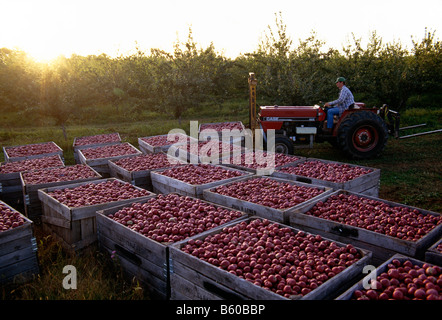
{"x":44,"y":53}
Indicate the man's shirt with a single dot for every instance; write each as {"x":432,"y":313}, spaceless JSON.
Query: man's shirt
{"x":345,"y":99}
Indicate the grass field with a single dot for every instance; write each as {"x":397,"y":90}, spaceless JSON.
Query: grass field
{"x":410,"y":174}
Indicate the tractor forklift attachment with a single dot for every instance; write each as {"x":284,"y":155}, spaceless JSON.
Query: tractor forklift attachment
{"x":391,"y":119}
{"x":414,"y":126}
{"x":420,"y":134}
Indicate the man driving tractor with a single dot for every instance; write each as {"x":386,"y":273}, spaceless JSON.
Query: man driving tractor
{"x":344,"y":102}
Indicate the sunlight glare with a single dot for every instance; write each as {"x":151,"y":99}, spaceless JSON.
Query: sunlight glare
{"x":41,"y":29}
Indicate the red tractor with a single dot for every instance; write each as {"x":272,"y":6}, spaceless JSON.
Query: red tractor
{"x":360,"y":133}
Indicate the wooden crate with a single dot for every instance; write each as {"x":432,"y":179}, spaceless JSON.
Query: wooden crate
{"x":101,"y":165}
{"x":367,"y":184}
{"x":98,"y":140}
{"x":164,"y":184}
{"x":141,"y":257}
{"x":278,"y":215}
{"x":8,"y":157}
{"x":382,"y":246}
{"x":147,"y":148}
{"x":235,"y":162}
{"x":197,"y":151}
{"x":141,"y":178}
{"x":18,"y":253}
{"x":204,"y":131}
{"x":32,"y":203}
{"x":11,"y":190}
{"x":76,"y":227}
{"x":434,"y":256}
{"x":195,"y":279}
{"x":348,"y":294}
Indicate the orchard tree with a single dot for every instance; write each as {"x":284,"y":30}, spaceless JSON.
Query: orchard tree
{"x":187,"y":78}
{"x":426,"y":64}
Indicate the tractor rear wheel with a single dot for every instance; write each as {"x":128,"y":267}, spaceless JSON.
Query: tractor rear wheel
{"x":362,"y":135}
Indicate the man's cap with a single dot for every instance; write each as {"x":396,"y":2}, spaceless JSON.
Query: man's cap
{"x":340,"y":79}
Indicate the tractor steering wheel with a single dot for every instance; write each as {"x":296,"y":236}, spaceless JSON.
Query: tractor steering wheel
{"x":322,"y":106}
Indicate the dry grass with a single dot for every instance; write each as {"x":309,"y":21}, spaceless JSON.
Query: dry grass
{"x":99,"y":277}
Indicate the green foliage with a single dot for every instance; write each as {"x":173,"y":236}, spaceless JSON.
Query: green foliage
{"x":187,"y":78}
{"x":19,"y":80}
{"x":427,"y":64}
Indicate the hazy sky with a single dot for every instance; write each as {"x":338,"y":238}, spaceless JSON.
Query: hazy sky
{"x":47,"y":28}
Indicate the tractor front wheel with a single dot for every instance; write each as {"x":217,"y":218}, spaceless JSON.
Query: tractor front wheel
{"x":362,"y":135}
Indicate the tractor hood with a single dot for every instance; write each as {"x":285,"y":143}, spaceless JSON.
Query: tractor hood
{"x":289,"y":111}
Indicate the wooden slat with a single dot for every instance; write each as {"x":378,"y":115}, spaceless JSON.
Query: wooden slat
{"x":20,"y":271}
{"x":184,"y":288}
{"x":156,"y":287}
{"x":141,"y":265}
